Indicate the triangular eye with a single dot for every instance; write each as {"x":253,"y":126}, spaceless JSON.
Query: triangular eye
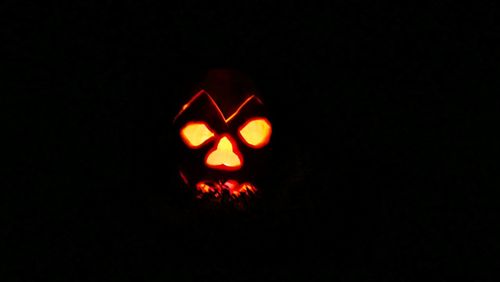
{"x":196,"y":133}
{"x":256,"y":132}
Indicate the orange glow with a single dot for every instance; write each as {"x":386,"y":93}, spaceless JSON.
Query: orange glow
{"x":247,"y":187}
{"x":225,"y":155}
{"x":226,"y":120}
{"x":204,"y":188}
{"x":256,"y":132}
{"x":243,"y":189}
{"x":195,"y":134}
{"x":232,"y":186}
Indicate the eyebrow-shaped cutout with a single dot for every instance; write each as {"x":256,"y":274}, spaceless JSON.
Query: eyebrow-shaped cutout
{"x":226,"y":120}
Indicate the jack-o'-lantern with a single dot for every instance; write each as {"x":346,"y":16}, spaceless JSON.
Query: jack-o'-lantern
{"x":223,"y":134}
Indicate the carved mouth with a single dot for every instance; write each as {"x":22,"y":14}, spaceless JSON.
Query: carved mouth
{"x":229,"y":189}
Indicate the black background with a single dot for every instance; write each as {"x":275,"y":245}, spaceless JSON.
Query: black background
{"x":375,"y":180}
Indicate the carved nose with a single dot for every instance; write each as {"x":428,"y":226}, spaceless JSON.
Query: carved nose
{"x":224,"y":155}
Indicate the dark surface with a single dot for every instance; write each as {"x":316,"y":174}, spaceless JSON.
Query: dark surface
{"x":375,"y":180}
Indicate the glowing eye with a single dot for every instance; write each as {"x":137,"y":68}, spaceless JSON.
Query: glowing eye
{"x":256,"y":132}
{"x":195,"y":134}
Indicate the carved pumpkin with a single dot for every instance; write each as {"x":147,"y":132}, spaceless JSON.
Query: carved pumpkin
{"x":223,"y":135}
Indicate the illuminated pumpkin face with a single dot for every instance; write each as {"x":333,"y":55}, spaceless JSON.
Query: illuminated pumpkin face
{"x":224,"y":135}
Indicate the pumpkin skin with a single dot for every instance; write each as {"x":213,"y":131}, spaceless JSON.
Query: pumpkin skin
{"x":223,"y":138}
